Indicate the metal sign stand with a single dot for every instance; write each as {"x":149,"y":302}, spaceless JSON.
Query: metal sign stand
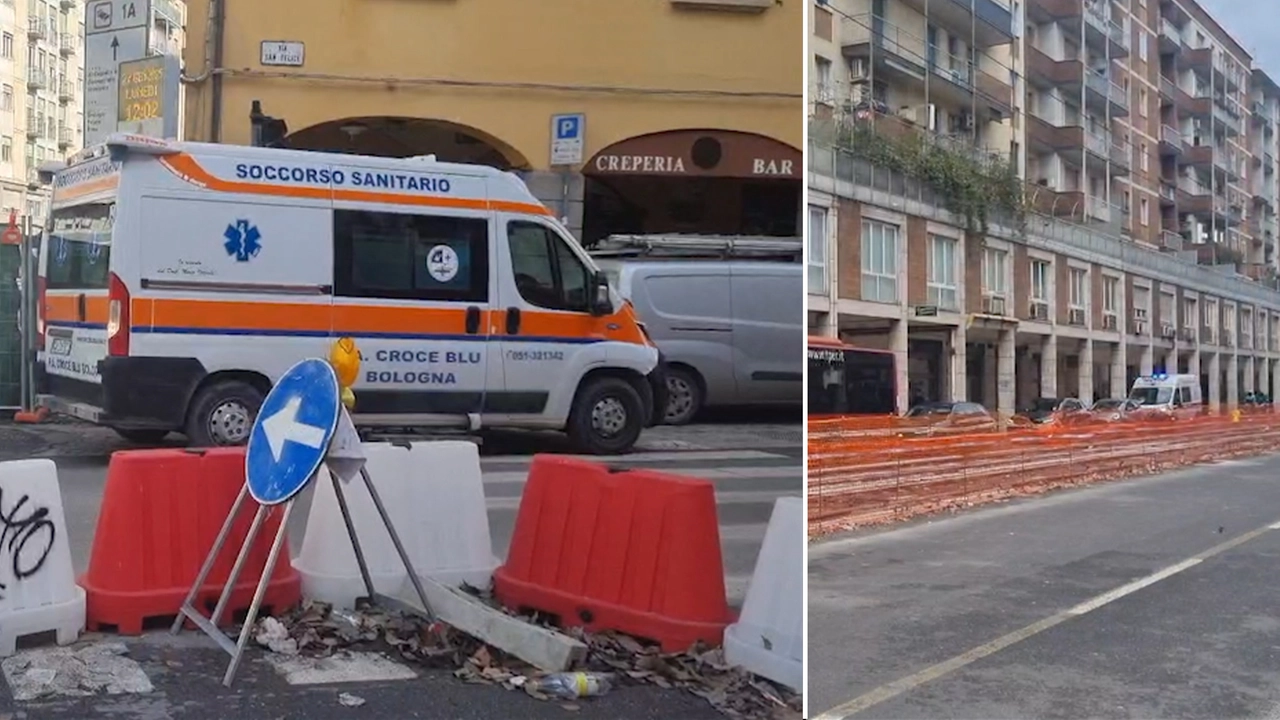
{"x":341,"y":452}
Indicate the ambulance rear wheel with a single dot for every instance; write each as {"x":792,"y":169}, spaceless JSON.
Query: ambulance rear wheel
{"x":607,"y":417}
{"x":222,"y":414}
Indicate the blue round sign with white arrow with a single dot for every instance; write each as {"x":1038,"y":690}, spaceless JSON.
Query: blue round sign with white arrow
{"x":292,"y":432}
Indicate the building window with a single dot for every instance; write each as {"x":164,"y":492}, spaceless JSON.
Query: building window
{"x":1142,"y":45}
{"x":1040,"y":281}
{"x":1144,"y":210}
{"x":399,"y":256}
{"x":6,"y":46}
{"x":879,"y":262}
{"x":817,"y":251}
{"x":825,"y":90}
{"x":995,"y":272}
{"x":6,"y":149}
{"x":942,"y":273}
{"x":1142,"y":102}
{"x":1078,"y":289}
{"x":1143,"y":157}
{"x":1110,"y":295}
{"x":555,"y":278}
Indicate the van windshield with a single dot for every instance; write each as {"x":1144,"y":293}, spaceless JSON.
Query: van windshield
{"x":1152,"y":395}
{"x":78,"y":247}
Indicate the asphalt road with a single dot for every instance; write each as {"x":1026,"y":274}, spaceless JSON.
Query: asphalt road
{"x":1152,"y":598}
{"x":751,"y":464}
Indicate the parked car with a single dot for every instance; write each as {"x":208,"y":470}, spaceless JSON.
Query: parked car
{"x":730,"y":332}
{"x":947,"y":417}
{"x":1057,"y":410}
{"x":1112,"y":409}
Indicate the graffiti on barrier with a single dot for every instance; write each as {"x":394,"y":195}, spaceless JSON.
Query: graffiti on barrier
{"x":26,"y":539}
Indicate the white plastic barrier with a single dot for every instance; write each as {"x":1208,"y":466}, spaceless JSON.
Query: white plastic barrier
{"x":433,"y":493}
{"x":768,"y":638}
{"x":446,"y":529}
{"x":326,"y":561}
{"x":38,"y":591}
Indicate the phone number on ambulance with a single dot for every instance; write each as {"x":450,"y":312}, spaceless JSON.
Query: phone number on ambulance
{"x":534,"y":355}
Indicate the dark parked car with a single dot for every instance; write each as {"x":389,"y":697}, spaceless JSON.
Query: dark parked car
{"x":1112,"y":409}
{"x":947,"y":417}
{"x":1062,"y":410}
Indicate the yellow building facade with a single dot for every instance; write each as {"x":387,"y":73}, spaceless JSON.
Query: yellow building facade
{"x":692,"y":109}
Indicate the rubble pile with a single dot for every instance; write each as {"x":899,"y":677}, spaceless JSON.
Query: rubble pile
{"x":317,"y":630}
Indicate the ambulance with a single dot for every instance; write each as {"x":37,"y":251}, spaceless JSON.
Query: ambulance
{"x":179,"y":280}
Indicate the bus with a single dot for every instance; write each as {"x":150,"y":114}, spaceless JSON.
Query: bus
{"x":846,"y":380}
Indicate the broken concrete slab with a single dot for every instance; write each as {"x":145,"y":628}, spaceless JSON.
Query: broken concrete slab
{"x":78,"y":671}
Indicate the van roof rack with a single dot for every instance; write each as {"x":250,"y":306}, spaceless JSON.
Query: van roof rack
{"x":724,"y":247}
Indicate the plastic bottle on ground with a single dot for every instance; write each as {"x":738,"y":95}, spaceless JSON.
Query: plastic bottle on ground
{"x":572,"y":685}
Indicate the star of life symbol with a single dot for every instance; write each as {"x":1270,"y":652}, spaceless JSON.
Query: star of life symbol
{"x":242,"y":240}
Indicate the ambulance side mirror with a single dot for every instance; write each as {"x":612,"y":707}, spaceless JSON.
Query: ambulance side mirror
{"x":601,"y":302}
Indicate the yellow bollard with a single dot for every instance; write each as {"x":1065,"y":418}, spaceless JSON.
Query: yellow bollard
{"x":345,"y":359}
{"x":1235,"y":415}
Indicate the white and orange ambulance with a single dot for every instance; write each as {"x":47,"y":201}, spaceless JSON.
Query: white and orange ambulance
{"x":179,"y":280}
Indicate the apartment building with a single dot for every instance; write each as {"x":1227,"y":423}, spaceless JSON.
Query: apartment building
{"x":946,"y":67}
{"x":1146,"y":140}
{"x":41,"y":71}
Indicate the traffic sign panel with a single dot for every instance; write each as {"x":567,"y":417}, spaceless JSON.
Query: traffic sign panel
{"x":568,"y":134}
{"x":292,"y":432}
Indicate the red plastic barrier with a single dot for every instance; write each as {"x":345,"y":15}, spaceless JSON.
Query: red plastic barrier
{"x":634,"y":551}
{"x":161,"y":512}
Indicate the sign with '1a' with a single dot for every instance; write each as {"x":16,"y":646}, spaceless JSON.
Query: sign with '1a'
{"x":115,"y":31}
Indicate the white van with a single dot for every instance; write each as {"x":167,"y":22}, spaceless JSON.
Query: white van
{"x":731,"y":332}
{"x":1172,"y":395}
{"x":179,"y":280}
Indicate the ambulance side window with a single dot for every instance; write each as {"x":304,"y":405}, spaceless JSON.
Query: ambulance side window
{"x":410,"y":257}
{"x":547,"y":273}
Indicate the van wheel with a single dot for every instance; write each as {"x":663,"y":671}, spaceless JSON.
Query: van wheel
{"x":684,"y":396}
{"x":142,"y":436}
{"x":607,"y":417}
{"x":222,"y":414}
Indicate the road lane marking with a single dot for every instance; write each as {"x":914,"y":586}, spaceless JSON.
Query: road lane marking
{"x":893,"y":689}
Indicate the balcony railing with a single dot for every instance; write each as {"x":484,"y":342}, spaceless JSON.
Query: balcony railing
{"x":1108,"y":89}
{"x":37,"y":29}
{"x":1170,"y":33}
{"x":1096,"y":144}
{"x":67,"y":43}
{"x":36,"y":79}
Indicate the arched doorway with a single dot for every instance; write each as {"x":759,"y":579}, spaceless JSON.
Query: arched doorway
{"x":707,"y":182}
{"x":408,"y":137}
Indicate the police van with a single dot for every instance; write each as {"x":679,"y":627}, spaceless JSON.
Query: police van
{"x":179,"y":280}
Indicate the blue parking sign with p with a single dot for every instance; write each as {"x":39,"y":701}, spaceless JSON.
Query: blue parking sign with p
{"x":568,"y":127}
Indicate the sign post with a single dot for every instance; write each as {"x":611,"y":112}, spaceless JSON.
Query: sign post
{"x":302,"y":424}
{"x":568,"y":141}
{"x":115,"y":31}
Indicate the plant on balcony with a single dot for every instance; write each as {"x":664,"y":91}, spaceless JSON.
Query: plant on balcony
{"x":972,"y":185}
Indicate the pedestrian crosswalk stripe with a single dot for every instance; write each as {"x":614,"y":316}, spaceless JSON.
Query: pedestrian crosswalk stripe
{"x":643,"y":458}
{"x":736,"y":473}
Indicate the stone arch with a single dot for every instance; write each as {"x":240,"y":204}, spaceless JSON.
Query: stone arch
{"x":398,"y":136}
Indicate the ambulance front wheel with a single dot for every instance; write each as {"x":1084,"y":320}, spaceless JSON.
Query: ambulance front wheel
{"x":222,"y":414}
{"x":607,"y":417}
